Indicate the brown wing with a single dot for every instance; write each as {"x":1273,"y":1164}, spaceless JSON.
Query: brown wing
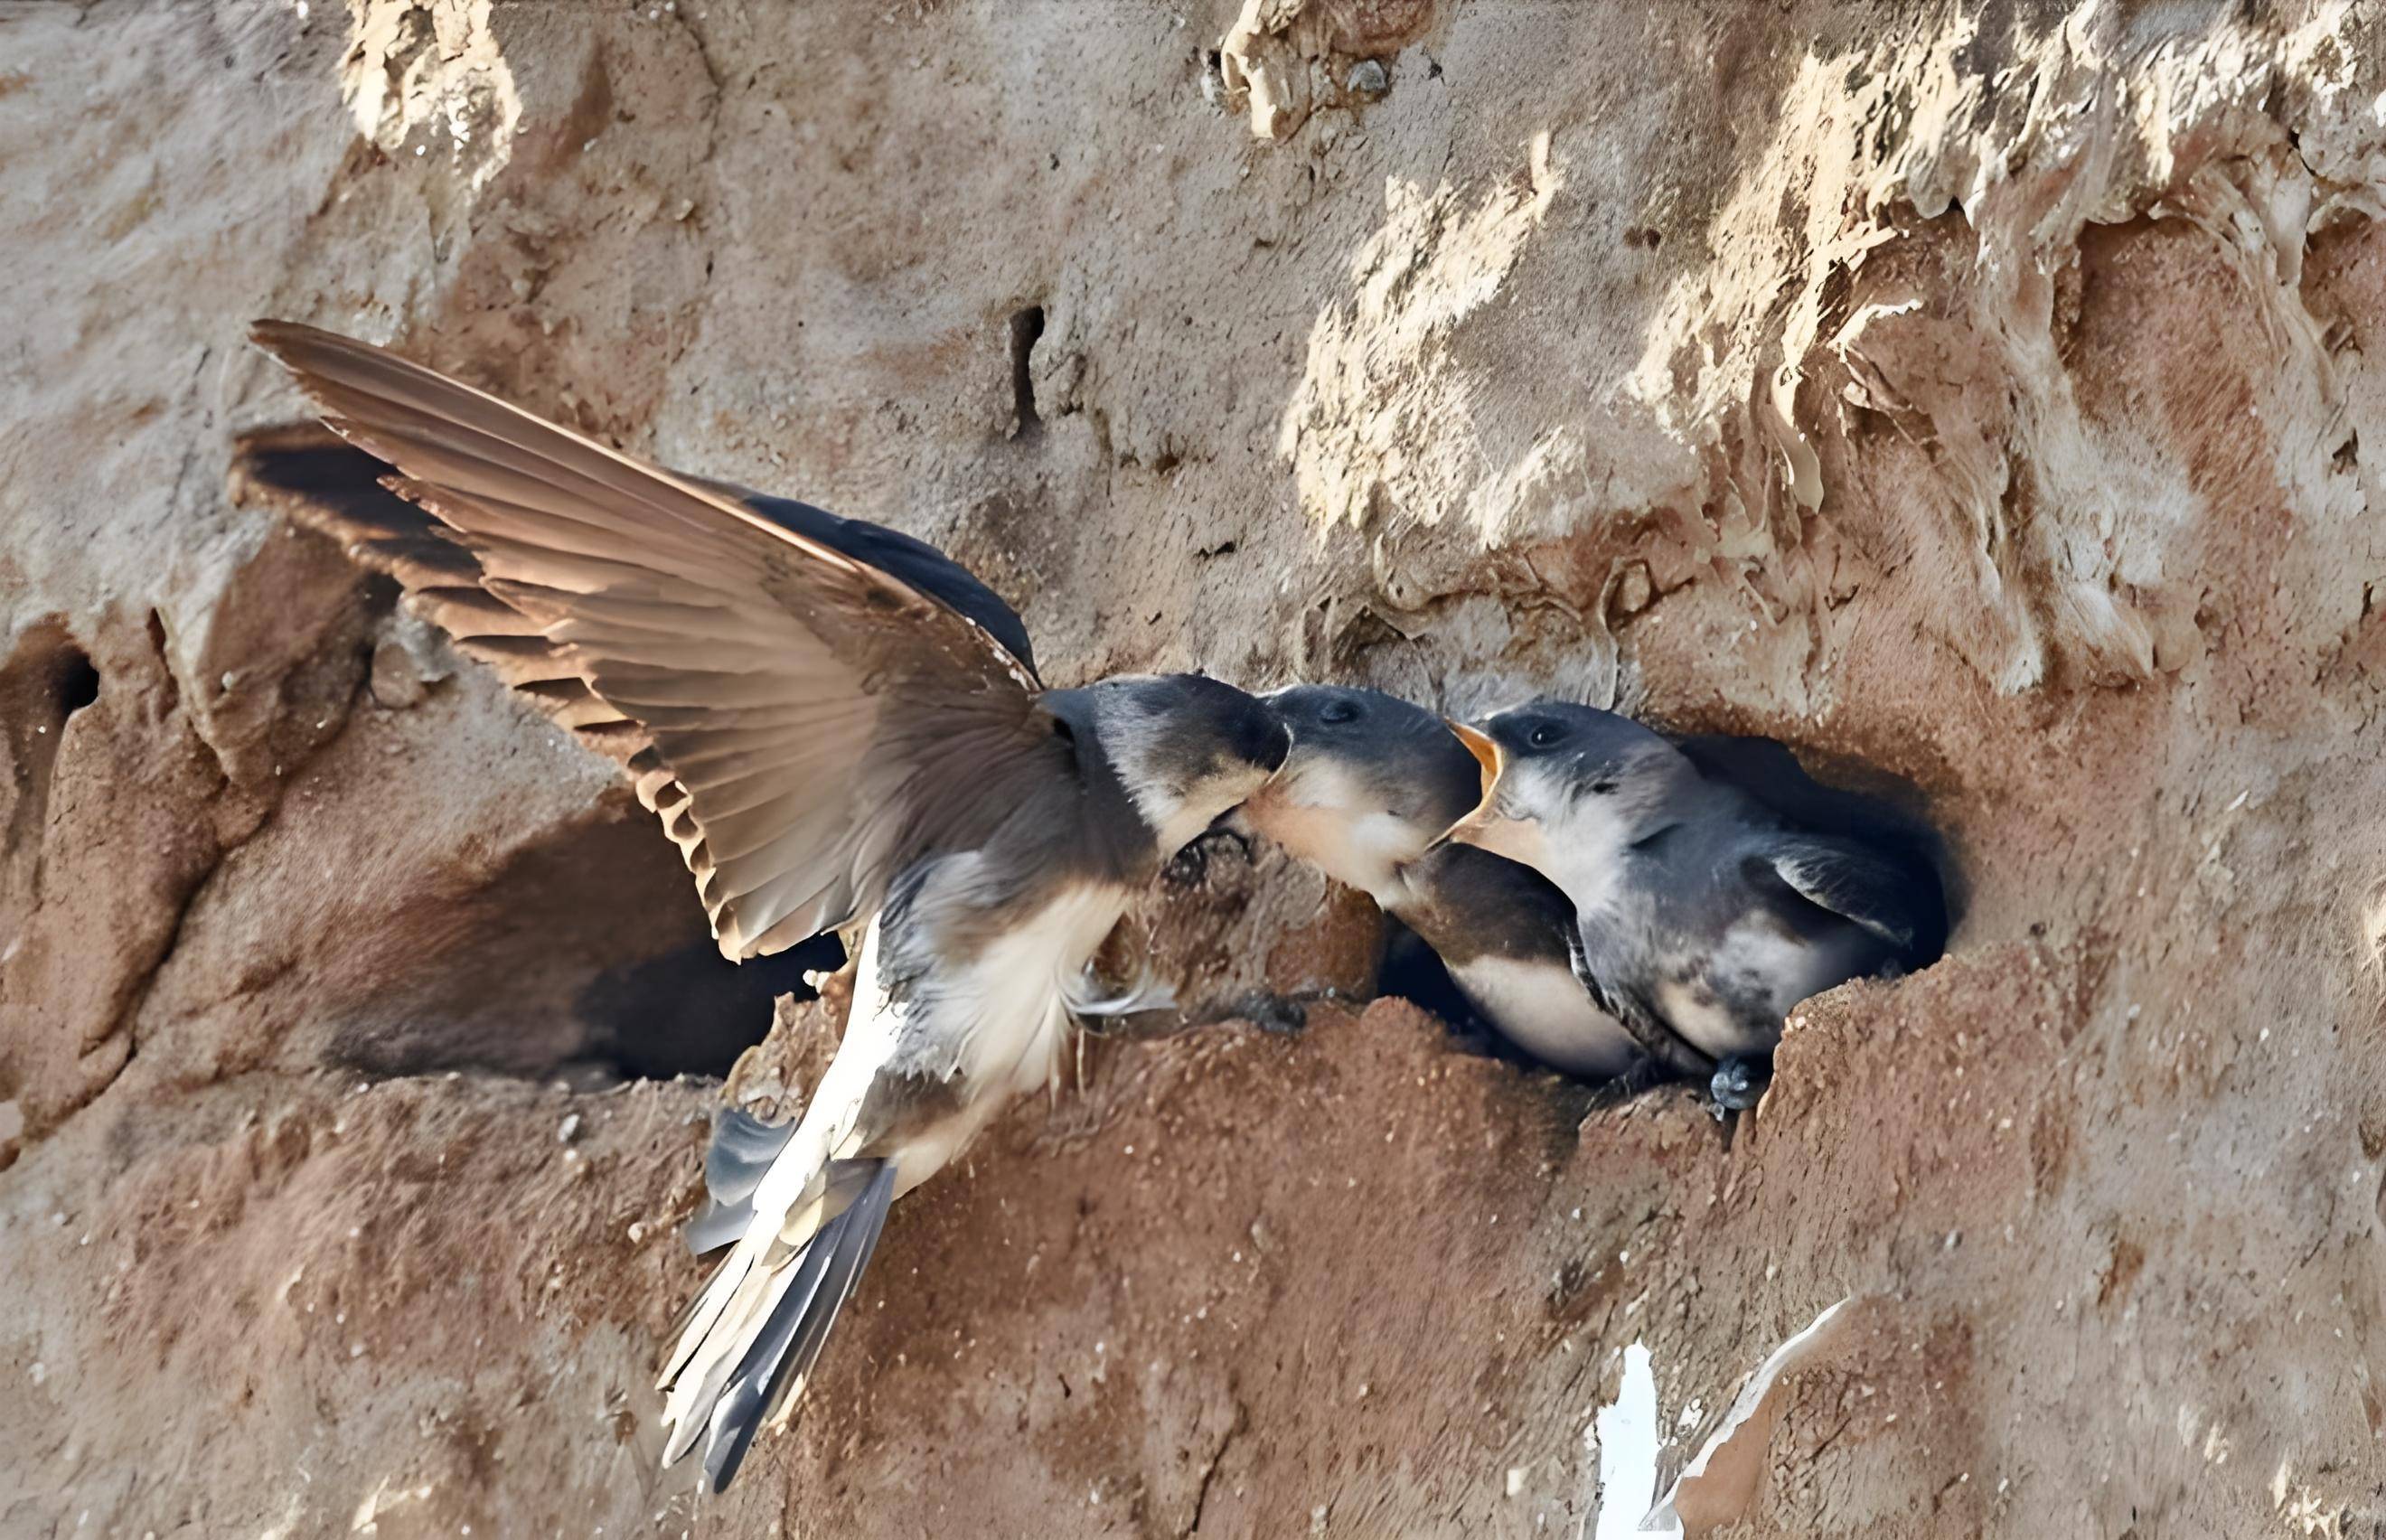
{"x":815,"y":724}
{"x":310,"y":476}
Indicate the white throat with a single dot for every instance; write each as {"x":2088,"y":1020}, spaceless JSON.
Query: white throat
{"x":1307,"y":810}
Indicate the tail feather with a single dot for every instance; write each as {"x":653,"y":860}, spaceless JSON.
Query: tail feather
{"x":735,"y":1163}
{"x":777,"y":1297}
{"x":734,"y":1167}
{"x":720,"y":1221}
{"x":742,"y":1149}
{"x":705,"y":1307}
{"x":775,"y":1368}
{"x":854,"y":1252}
{"x":757,"y":1329}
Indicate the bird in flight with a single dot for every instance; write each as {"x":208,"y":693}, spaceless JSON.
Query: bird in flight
{"x":841,"y":730}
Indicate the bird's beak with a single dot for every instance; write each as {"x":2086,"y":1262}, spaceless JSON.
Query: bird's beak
{"x":1488,"y":754}
{"x":1281,"y":747}
{"x":1485,"y":748}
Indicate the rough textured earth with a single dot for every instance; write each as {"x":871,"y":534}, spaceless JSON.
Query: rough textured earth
{"x":1982,"y":398}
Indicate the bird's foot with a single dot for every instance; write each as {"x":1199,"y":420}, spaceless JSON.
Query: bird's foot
{"x":1191,"y":866}
{"x":1735,"y":1086}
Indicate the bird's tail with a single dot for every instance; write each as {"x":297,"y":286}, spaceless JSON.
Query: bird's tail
{"x":747,"y":1342}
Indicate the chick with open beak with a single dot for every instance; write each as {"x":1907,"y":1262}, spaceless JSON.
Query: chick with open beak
{"x":1366,"y":793}
{"x":1705,"y":908}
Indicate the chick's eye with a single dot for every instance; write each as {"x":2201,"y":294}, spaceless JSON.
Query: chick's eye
{"x":1544,"y":734}
{"x":1335,"y":711}
{"x":1602,"y":786}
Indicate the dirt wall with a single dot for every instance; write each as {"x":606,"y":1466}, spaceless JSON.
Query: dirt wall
{"x":1983,"y":397}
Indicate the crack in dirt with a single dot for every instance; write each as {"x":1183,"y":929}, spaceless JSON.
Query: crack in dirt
{"x":1210,"y":1471}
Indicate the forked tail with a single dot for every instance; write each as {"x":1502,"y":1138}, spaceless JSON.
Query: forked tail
{"x":747,"y":1342}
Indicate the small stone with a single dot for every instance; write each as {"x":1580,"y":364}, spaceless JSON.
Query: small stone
{"x":570,"y":1128}
{"x":396,"y":682}
{"x":1367,"y":77}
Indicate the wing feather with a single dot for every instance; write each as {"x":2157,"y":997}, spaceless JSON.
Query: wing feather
{"x":805,"y":723}
{"x":1883,"y":897}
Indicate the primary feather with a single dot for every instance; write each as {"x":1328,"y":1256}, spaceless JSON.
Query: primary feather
{"x":815,"y":722}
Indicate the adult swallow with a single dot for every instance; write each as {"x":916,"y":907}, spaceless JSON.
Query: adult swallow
{"x":838,"y":735}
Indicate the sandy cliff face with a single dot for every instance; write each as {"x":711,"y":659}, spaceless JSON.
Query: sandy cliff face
{"x":1990,"y":400}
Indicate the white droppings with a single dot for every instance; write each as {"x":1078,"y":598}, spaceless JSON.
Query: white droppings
{"x":1626,"y":1433}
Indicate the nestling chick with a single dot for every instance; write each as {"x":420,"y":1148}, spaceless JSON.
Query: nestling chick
{"x":1704,"y":911}
{"x":1369,"y":786}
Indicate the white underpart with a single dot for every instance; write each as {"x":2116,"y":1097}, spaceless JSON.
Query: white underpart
{"x":1788,"y":969}
{"x":1544,"y":1010}
{"x":1381,"y":844}
{"x":999,"y":1019}
{"x":1701,"y":1020}
{"x":1013,"y":996}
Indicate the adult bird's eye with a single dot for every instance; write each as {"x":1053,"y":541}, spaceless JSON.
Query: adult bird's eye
{"x":1602,"y":787}
{"x":1544,"y":734}
{"x":1338,"y":711}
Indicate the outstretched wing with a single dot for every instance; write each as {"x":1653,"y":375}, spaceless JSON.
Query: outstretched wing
{"x":1887,"y":897}
{"x":814,"y":721}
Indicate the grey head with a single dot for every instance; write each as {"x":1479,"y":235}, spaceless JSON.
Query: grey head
{"x":1163,"y":756}
{"x":1568,"y":788}
{"x":1371,"y":783}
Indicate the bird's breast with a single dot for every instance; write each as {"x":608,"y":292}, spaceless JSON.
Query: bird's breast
{"x":1543,"y":1008}
{"x":1010,"y":994}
